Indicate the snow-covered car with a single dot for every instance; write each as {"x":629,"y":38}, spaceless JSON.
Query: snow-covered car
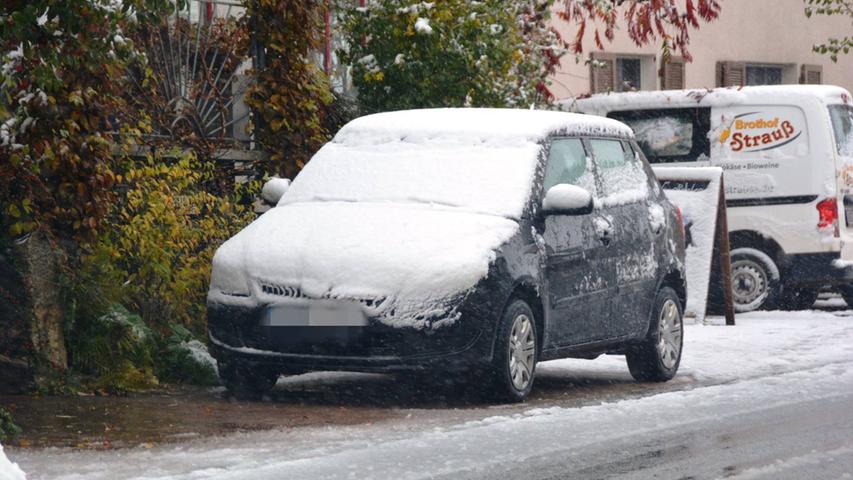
{"x":787,"y":154}
{"x":455,"y":240}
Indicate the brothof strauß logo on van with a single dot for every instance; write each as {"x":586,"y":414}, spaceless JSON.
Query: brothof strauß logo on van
{"x":756,"y":132}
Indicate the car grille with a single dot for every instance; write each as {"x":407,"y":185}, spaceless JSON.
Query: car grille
{"x":281,"y":290}
{"x":374,"y":304}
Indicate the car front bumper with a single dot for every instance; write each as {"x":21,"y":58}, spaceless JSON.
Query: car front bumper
{"x":237,"y":335}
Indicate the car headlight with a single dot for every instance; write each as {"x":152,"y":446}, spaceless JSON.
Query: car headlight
{"x":229,"y":274}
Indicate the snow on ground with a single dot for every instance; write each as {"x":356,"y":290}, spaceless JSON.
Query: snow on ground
{"x":9,"y":470}
{"x":769,"y":359}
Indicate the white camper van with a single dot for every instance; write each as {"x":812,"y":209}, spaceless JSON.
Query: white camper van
{"x":787,"y":157}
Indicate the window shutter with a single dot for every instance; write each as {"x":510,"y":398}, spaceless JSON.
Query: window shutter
{"x":672,"y":74}
{"x":602,"y":78}
{"x":731,"y":74}
{"x":811,"y":74}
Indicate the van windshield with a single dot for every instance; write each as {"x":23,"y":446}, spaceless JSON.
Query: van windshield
{"x":842,"y":124}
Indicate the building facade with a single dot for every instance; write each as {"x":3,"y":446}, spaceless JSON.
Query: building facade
{"x":753,"y":42}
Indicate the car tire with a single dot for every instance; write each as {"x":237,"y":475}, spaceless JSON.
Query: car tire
{"x":245,"y":383}
{"x":798,"y":299}
{"x":756,"y":283}
{"x":657,"y":357}
{"x":516,"y":352}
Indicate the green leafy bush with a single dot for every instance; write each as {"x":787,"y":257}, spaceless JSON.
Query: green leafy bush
{"x":153,"y":258}
{"x":186,"y":360}
{"x":291,"y":94}
{"x":411,"y":54}
{"x":155,"y":255}
{"x":8,"y":429}
{"x":118,"y":348}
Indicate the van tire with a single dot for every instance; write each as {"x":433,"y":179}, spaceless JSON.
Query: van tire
{"x":756,"y":282}
{"x":516,"y":329}
{"x":657,"y":358}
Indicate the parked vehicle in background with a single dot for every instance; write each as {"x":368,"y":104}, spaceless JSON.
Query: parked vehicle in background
{"x":787,"y":156}
{"x":456,"y":240}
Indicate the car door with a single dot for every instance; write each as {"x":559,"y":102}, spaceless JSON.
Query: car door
{"x":575,"y":283}
{"x":630,"y":257}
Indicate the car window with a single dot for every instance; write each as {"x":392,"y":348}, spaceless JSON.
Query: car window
{"x":623,"y":178}
{"x":670,"y":135}
{"x":568,"y":163}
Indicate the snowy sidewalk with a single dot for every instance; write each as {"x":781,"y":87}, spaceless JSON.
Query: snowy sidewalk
{"x":769,"y":359}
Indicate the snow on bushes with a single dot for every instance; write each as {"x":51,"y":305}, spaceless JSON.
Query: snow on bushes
{"x":457,"y":52}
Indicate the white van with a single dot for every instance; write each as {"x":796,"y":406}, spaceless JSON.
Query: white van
{"x":787,"y":154}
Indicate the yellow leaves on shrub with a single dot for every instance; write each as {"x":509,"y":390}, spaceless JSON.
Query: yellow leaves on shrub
{"x":160,"y":240}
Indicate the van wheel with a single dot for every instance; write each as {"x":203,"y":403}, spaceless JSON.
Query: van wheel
{"x":798,"y":299}
{"x":657,"y":358}
{"x":516,"y":350}
{"x":247,"y":383}
{"x":755,"y":280}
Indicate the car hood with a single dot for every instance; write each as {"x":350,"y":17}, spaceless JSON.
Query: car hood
{"x":400,"y":258}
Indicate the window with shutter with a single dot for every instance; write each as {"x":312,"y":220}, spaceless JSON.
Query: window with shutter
{"x":672,"y":74}
{"x":731,"y":74}
{"x":811,"y":74}
{"x":602,"y":72}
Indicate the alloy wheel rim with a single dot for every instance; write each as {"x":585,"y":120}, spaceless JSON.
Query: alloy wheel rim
{"x":749,"y":282}
{"x":522,"y":351}
{"x":669,"y":334}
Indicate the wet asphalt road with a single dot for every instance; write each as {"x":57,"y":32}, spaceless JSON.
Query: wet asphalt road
{"x":803,"y":440}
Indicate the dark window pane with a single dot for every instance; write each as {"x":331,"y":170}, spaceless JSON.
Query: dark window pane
{"x":759,"y":75}
{"x":629,"y":74}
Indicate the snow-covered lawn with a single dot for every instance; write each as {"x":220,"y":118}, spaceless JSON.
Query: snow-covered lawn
{"x":768,"y":359}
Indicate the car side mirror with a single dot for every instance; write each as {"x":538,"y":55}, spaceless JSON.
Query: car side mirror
{"x":274,"y":189}
{"x":565,"y":199}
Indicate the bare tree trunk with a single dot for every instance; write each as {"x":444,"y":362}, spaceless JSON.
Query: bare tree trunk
{"x":38,"y":261}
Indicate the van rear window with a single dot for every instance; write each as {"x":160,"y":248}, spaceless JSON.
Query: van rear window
{"x":842,"y":124}
{"x":670,"y":135}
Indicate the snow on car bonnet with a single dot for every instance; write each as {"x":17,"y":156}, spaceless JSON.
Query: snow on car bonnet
{"x":402,"y":212}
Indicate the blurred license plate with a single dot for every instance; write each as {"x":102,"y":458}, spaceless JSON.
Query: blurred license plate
{"x":315,"y":315}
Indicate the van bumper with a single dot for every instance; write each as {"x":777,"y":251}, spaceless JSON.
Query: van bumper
{"x":817,"y":270}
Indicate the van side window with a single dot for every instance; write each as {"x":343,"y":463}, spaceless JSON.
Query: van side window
{"x":568,"y":163}
{"x":670,"y":135}
{"x":842,"y":125}
{"x":623,"y":179}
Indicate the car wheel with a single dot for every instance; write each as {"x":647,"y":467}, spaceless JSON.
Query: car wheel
{"x":755,"y":280}
{"x":798,"y":299}
{"x":657,"y":358}
{"x":516,"y":350}
{"x":245,"y":383}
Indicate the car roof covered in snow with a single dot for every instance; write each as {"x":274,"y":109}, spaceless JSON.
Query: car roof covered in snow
{"x":469,"y":126}
{"x":602,"y":103}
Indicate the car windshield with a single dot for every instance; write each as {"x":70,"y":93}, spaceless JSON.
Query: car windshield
{"x":842,"y":124}
{"x":479,"y":178}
